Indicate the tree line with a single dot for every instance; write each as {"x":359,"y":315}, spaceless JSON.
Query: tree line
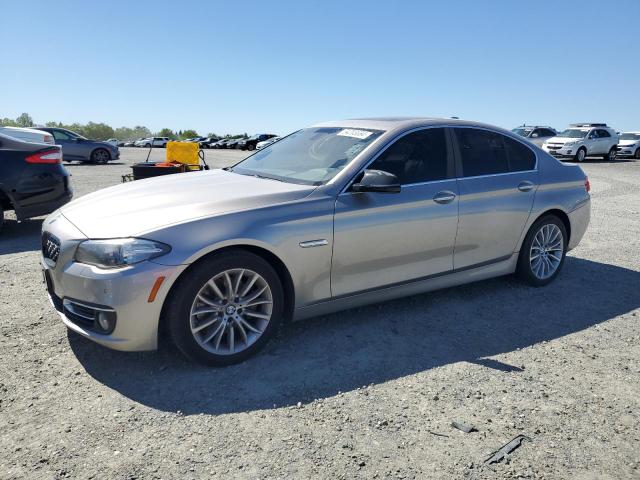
{"x":102,"y":131}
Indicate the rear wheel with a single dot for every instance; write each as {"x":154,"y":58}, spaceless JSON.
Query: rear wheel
{"x":637,"y":154}
{"x":611,"y":156}
{"x":251,"y":147}
{"x":543,"y":251}
{"x":100,"y":156}
{"x":581,"y":154}
{"x":226,"y":308}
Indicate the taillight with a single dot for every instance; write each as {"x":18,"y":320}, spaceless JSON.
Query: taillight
{"x":46,"y":156}
{"x":587,"y":185}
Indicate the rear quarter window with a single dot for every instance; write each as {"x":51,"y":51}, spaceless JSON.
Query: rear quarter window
{"x":521,"y":158}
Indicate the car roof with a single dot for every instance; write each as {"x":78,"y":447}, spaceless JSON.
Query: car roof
{"x":406,"y":123}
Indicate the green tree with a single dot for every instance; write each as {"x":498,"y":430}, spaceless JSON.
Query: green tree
{"x":189,"y":134}
{"x":166,"y":132}
{"x":24,"y":120}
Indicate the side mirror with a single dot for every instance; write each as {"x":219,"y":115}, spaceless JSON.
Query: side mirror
{"x":377,"y":181}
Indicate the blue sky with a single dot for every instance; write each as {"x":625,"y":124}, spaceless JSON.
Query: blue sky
{"x":275,"y":66}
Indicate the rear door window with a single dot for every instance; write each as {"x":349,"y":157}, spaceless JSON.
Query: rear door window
{"x":59,"y":135}
{"x":482,"y":152}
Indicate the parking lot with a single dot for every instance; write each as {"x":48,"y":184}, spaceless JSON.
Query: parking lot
{"x":365,"y":393}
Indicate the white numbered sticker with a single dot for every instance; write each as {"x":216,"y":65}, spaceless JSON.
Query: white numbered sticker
{"x":351,"y":132}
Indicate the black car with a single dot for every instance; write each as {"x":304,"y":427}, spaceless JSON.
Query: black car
{"x":33,"y":181}
{"x":76,"y":147}
{"x":251,"y":142}
{"x":207,"y":142}
{"x":235,"y":143}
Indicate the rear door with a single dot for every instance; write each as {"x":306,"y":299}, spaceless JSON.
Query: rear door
{"x":497,"y":181}
{"x":383,"y":239}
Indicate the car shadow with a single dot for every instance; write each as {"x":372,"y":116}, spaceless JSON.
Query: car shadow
{"x":17,"y":237}
{"x":344,"y":351}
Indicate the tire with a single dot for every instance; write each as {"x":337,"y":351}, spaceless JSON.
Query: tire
{"x":1,"y":217}
{"x":528,"y":269}
{"x":637,"y":154}
{"x":218,"y":339}
{"x":611,"y":156}
{"x":147,"y":145}
{"x":100,"y":156}
{"x":581,"y":154}
{"x":251,"y":147}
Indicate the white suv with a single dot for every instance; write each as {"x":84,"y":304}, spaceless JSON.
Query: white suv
{"x":581,"y":140}
{"x":152,"y":142}
{"x":629,"y":145}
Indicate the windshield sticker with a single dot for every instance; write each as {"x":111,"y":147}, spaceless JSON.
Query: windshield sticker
{"x":351,"y":132}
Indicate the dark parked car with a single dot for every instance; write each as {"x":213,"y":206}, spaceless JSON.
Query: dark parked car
{"x":251,"y":142}
{"x":235,"y":142}
{"x":76,"y":147}
{"x":207,"y":142}
{"x":33,"y":181}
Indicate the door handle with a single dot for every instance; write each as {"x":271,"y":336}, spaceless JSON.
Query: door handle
{"x":444,"y":196}
{"x":526,"y":186}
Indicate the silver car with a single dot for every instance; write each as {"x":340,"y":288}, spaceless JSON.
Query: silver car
{"x":331,"y":217}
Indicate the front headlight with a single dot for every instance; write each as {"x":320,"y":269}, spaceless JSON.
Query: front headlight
{"x":119,"y":252}
{"x":570,"y":144}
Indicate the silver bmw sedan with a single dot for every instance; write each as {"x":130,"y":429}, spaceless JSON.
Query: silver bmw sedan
{"x":333,"y":216}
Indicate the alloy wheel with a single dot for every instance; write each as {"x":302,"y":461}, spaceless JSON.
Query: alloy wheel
{"x":581,"y":155}
{"x":546,"y":251}
{"x":231,"y":311}
{"x":100,"y":156}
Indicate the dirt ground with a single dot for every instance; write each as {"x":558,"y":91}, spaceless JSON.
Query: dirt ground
{"x":365,"y":393}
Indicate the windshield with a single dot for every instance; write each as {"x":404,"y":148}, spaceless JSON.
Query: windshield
{"x":311,"y":156}
{"x":573,"y":133}
{"x":523,"y":132}
{"x":630,"y":136}
{"x":74,"y":134}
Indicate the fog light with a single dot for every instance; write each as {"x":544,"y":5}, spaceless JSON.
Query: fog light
{"x":569,"y":152}
{"x":106,"y":321}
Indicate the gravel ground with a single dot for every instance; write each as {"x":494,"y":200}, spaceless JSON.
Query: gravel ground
{"x":366,"y":393}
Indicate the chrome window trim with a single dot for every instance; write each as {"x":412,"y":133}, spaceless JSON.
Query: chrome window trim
{"x":455,"y":177}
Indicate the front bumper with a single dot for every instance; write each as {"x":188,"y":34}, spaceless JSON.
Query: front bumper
{"x":124,"y":291}
{"x":625,"y":151}
{"x":562,"y":152}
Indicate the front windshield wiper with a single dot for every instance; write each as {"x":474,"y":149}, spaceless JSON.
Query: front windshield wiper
{"x":257,"y":175}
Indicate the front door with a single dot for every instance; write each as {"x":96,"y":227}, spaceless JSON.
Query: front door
{"x":388,"y":238}
{"x":71,"y":148}
{"x":497,"y":183}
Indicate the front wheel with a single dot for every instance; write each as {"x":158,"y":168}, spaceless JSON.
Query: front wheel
{"x":543,"y":251}
{"x":100,"y":156}
{"x":611,"y":156}
{"x":581,"y":154}
{"x":226,"y":308}
{"x":637,"y":154}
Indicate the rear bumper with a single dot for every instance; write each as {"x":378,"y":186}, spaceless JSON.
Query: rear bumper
{"x":579,"y":220}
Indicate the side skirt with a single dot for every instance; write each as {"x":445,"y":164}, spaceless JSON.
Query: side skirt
{"x":497,"y":269}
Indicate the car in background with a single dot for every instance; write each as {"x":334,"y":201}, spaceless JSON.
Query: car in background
{"x":113,"y":141}
{"x":251,"y":142}
{"x":582,"y":140}
{"x":222,"y":143}
{"x":152,"y":142}
{"x":28,"y":134}
{"x":33,"y":181}
{"x":334,"y":216}
{"x":266,"y":143}
{"x":131,"y":143}
{"x":207,"y":141}
{"x":629,"y":145}
{"x":535,"y":134}
{"x":234,"y":143}
{"x":75,"y":147}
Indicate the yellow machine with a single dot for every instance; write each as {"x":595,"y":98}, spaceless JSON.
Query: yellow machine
{"x":187,"y":154}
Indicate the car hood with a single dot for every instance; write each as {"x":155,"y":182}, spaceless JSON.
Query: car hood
{"x":563,"y":139}
{"x":135,"y":208}
{"x":624,"y":143}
